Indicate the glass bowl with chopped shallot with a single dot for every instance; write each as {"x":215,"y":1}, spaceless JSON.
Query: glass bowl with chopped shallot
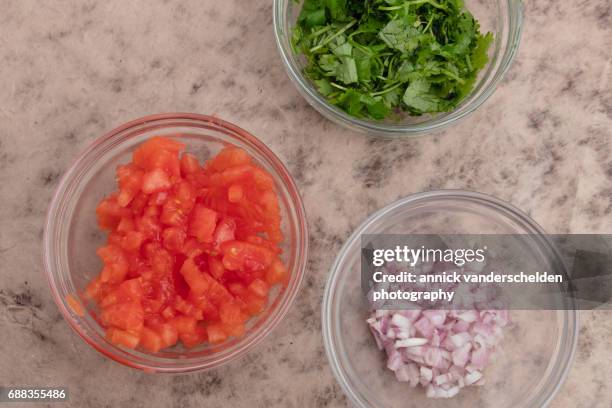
{"x":175,"y":243}
{"x":432,"y":357}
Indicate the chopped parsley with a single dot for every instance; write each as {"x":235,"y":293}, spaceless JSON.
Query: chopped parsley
{"x":376,"y":58}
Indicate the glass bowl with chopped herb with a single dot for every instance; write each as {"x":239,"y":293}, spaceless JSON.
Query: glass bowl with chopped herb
{"x":397,"y":68}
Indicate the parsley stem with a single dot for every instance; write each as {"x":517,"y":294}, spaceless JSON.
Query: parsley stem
{"x":335,"y":85}
{"x":428,"y":26}
{"x":469,"y":62}
{"x":413,"y":3}
{"x":387,"y":90}
{"x":319,"y":32}
{"x":450,"y":74}
{"x":331,"y":37}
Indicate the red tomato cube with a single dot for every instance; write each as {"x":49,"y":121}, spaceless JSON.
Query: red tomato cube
{"x":150,"y":340}
{"x":122,"y":337}
{"x":259,"y":287}
{"x":184,"y":324}
{"x":189,"y":164}
{"x":216,"y":334}
{"x":126,"y":316}
{"x":203,"y":223}
{"x":155,"y":180}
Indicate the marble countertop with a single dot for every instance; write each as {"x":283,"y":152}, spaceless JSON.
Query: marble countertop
{"x":71,"y":70}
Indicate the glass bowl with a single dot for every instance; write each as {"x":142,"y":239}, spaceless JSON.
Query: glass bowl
{"x":503,"y":18}
{"x":72,"y":235}
{"x":534,"y":356}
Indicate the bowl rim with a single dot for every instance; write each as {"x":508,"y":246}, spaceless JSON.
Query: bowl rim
{"x":572,"y":317}
{"x":293,"y":195}
{"x":392,"y":131}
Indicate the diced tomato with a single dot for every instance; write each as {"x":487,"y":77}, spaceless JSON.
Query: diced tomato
{"x":128,"y":291}
{"x":155,"y":180}
{"x":126,"y":316}
{"x":263,"y":179}
{"x":168,"y":334}
{"x":158,"y":152}
{"x":159,"y":258}
{"x":93,"y":289}
{"x":130,"y":182}
{"x":149,"y":227}
{"x":177,"y":286}
{"x":192,"y":250}
{"x":184,"y":324}
{"x":122,"y":337}
{"x":109,"y":213}
{"x":168,"y":313}
{"x":254,"y":304}
{"x":126,"y":224}
{"x":228,"y":157}
{"x":239,"y":255}
{"x":239,"y":174}
{"x":132,"y":241}
{"x":131,"y":289}
{"x":259,"y":287}
{"x":230,"y":314}
{"x":276,"y":273}
{"x":236,"y":330}
{"x":237,"y":288}
{"x":210,"y":312}
{"x":167,"y":161}
{"x":152,"y":306}
{"x":216,"y":334}
{"x":151,"y":211}
{"x":150,"y":340}
{"x":185,"y":197}
{"x":203,"y":223}
{"x":195,"y":278}
{"x":225,"y":231}
{"x":139,"y":203}
{"x":216,"y":267}
{"x":158,"y":199}
{"x":235,"y":193}
{"x":217,"y":293}
{"x":172,"y":214}
{"x":189,"y":164}
{"x":153,"y":320}
{"x":187,"y":308}
{"x":115,"y":263}
{"x":257,"y":240}
{"x":191,"y":247}
{"x":196,"y":338}
{"x":174,"y":239}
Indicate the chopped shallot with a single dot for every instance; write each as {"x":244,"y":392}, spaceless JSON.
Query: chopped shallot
{"x":441,"y":350}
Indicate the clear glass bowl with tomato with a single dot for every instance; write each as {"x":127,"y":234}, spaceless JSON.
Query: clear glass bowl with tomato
{"x":136,"y":210}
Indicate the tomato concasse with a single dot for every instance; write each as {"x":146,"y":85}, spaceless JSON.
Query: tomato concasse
{"x":192,"y":250}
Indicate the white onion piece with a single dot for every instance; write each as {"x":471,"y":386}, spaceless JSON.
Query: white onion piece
{"x":401,"y":321}
{"x":473,"y":377}
{"x":460,"y":339}
{"x":461,"y":355}
{"x":426,"y":375}
{"x":412,"y":342}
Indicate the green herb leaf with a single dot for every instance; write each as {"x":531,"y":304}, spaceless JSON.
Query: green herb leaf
{"x":401,"y":36}
{"x":418,"y":97}
{"x":337,"y":9}
{"x":324,"y":87}
{"x":313,"y":13}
